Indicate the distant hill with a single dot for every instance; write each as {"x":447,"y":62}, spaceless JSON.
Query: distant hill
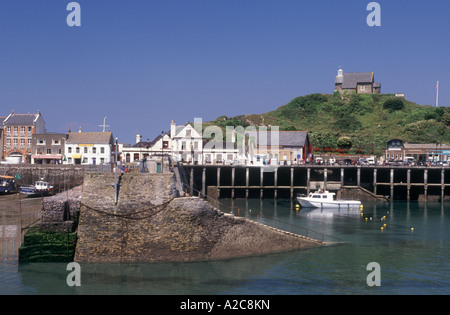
{"x":356,"y":123}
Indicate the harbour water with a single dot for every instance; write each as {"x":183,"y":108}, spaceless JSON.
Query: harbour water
{"x":411,"y":261}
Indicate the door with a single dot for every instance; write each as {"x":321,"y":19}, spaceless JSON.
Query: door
{"x":158,"y":168}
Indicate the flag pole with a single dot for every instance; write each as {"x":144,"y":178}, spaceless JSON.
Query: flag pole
{"x":437,"y":94}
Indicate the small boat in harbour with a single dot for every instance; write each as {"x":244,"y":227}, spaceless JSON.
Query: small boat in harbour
{"x":325,"y":199}
{"x":7,"y":184}
{"x":40,"y":188}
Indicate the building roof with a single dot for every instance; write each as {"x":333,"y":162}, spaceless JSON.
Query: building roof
{"x":21,"y":119}
{"x":351,"y":80}
{"x":90,"y":138}
{"x":431,"y":146}
{"x":285,"y":138}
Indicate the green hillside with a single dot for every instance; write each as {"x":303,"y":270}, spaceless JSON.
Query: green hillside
{"x":356,"y":123}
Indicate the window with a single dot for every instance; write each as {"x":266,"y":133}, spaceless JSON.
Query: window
{"x":29,"y":143}
{"x":165,"y":144}
{"x":56,"y":142}
{"x":77,"y":150}
{"x":22,"y":131}
{"x":69,"y":150}
{"x":15,"y":143}
{"x":8,"y":131}
{"x":363,"y":88}
{"x":16,"y":131}
{"x":85,"y":150}
{"x":41,"y":141}
{"x":102,"y":150}
{"x":188,"y":132}
{"x":49,"y":151}
{"x":29,"y":130}
{"x":22,"y":143}
{"x":94,"y":150}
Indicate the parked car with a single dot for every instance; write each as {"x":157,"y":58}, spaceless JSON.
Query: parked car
{"x":362,"y":161}
{"x":349,"y":162}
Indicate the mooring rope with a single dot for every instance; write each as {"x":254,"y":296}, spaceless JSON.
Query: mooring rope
{"x":130,"y":216}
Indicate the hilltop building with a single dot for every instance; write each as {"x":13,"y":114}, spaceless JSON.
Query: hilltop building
{"x":358,"y":82}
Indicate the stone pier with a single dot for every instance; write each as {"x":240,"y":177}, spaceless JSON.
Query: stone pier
{"x":150,"y":223}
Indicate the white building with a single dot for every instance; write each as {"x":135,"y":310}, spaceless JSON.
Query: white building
{"x":89,"y":148}
{"x":143,"y":149}
{"x":220,"y":153}
{"x":186,"y":143}
{"x":183,"y":144}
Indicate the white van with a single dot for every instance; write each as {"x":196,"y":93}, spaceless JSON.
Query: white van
{"x":371,"y":160}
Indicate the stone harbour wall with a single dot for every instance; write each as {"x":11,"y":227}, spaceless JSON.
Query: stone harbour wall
{"x":54,"y":238}
{"x":60,"y":212}
{"x":150,"y":224}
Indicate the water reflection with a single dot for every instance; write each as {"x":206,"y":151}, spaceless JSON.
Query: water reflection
{"x":412,"y":262}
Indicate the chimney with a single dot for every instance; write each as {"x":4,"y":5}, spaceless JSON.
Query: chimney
{"x":173,"y":129}
{"x":138,"y":138}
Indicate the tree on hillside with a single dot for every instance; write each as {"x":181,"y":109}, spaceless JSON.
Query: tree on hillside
{"x":394,"y":104}
{"x":344,"y":142}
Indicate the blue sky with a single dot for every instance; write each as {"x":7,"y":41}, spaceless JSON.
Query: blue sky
{"x":143,"y":63}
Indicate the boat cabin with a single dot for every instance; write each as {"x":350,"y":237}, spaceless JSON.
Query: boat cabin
{"x":323,"y":195}
{"x":40,"y":185}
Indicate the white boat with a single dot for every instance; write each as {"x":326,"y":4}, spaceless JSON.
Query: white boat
{"x":41,"y":188}
{"x":325,"y":199}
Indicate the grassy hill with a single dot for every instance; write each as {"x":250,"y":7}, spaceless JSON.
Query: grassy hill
{"x":357,"y":123}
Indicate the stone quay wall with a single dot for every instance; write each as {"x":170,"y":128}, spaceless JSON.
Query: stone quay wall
{"x":54,"y":237}
{"x":150,"y":223}
{"x":61,"y":177}
{"x":60,"y":212}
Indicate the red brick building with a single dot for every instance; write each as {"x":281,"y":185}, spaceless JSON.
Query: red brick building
{"x":17,"y":134}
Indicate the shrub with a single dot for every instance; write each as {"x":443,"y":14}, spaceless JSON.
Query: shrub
{"x":393,"y":104}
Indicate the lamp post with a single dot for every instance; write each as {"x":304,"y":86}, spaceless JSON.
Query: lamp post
{"x":162,"y":154}
{"x":115,"y":175}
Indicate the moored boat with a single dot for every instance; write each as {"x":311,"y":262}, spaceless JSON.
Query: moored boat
{"x":325,"y":199}
{"x":40,"y":188}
